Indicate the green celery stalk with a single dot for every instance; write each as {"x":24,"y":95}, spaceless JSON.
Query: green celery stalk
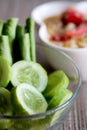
{"x":16,"y":47}
{"x":10,"y":29}
{"x":5,"y":48}
{"x":1,"y":26}
{"x":25,"y":47}
{"x":20,"y":30}
{"x":30,"y":29}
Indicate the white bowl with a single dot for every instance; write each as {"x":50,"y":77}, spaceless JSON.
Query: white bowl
{"x":41,"y":12}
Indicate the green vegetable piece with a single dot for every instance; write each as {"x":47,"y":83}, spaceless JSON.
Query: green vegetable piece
{"x":56,"y":80}
{"x":30,"y":30}
{"x":25,"y":47}
{"x":20,"y":31}
{"x":5,"y":72}
{"x":29,"y":72}
{"x":60,"y":97}
{"x":5,"y":48}
{"x":10,"y":29}
{"x":5,"y":108}
{"x":23,"y":42}
{"x":1,"y":26}
{"x":27,"y":100}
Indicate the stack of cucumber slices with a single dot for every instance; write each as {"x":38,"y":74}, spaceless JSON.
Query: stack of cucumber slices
{"x":25,"y":86}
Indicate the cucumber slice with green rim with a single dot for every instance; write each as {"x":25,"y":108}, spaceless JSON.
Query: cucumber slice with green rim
{"x":29,"y":72}
{"x":5,"y":72}
{"x":56,"y":80}
{"x":5,"y":48}
{"x":5,"y":108}
{"x":27,"y":100}
{"x":60,"y":98}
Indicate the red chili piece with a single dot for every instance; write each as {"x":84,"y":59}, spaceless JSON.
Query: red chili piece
{"x":77,"y":32}
{"x":74,"y":16}
{"x":59,"y":38}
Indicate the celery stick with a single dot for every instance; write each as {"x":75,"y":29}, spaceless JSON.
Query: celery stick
{"x":22,"y":48}
{"x":5,"y":48}
{"x":1,"y":26}
{"x":30,"y":29}
{"x":20,"y":31}
{"x":16,"y":47}
{"x":10,"y":29}
{"x":25,"y":47}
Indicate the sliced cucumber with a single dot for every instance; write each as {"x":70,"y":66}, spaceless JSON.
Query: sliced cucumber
{"x":60,"y":98}
{"x":29,"y":72}
{"x":56,"y":80}
{"x":5,"y":108}
{"x":27,"y":100}
{"x":5,"y":72}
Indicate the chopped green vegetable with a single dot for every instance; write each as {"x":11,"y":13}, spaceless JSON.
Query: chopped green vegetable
{"x":25,"y":47}
{"x":5,"y":108}
{"x":20,"y":30}
{"x":1,"y":26}
{"x":5,"y":48}
{"x":30,"y":30}
{"x":10,"y":29}
{"x":5,"y":72}
{"x":23,"y":42}
{"x":60,"y":97}
{"x":56,"y":80}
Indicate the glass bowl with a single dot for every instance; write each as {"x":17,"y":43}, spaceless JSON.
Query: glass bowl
{"x":51,"y":119}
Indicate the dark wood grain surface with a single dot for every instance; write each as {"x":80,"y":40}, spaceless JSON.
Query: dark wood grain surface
{"x":77,"y":119}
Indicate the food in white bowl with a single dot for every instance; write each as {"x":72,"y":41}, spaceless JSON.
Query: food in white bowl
{"x":69,"y":29}
{"x":74,"y":43}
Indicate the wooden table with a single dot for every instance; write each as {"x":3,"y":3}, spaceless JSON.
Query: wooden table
{"x":77,"y":119}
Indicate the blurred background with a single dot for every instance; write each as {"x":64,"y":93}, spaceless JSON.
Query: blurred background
{"x":19,"y":8}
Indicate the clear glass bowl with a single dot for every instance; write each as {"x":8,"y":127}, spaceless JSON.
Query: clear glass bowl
{"x":51,"y":119}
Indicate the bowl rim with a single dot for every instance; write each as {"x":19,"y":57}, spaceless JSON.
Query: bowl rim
{"x":48,"y":112}
{"x":47,"y":4}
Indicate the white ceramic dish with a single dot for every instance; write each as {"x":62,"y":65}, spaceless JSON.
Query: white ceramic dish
{"x":57,"y":7}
